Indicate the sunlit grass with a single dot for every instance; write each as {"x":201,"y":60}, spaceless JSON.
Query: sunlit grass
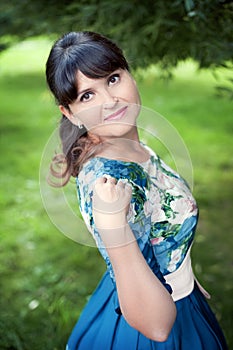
{"x":46,"y":278}
{"x":25,"y":57}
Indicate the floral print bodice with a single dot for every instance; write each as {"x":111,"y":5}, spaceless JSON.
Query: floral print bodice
{"x":163,"y":213}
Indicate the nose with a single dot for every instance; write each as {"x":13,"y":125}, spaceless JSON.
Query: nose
{"x":109,"y":100}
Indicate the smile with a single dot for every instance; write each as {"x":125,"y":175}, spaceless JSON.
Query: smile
{"x":117,"y":115}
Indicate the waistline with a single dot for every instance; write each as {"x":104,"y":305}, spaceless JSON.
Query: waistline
{"x":182,"y":280}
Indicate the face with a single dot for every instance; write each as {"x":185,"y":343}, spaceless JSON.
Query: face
{"x":107,"y":106}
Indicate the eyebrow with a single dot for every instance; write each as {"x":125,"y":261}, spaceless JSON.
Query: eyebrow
{"x":83,"y":91}
{"x":89,"y":89}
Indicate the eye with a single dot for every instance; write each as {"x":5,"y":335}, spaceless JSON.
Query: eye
{"x":113,"y":79}
{"x":86,"y":96}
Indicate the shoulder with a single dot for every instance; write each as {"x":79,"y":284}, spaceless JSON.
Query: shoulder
{"x":100,"y":166}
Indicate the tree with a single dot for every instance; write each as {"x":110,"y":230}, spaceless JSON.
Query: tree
{"x":149,"y":32}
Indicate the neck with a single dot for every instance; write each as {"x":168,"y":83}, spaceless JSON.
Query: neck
{"x":126,"y":148}
{"x":131,"y":135}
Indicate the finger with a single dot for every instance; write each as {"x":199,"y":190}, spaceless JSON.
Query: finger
{"x":100,"y":180}
{"x":128,"y":187}
{"x":124,"y":185}
{"x":128,"y":192}
{"x":111,"y":180}
{"x":120,"y":184}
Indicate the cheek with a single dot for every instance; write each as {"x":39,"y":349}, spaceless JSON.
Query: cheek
{"x":91,"y":116}
{"x":133,"y":93}
{"x":138,"y":98}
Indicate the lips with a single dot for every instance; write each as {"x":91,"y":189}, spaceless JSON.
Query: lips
{"x":117,"y":115}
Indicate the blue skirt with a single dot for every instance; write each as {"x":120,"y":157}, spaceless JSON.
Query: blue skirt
{"x":101,"y":326}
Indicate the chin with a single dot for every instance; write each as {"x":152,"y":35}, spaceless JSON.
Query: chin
{"x":113,"y":129}
{"x":121,"y":131}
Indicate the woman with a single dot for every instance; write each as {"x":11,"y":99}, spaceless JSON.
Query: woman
{"x":140,"y":212}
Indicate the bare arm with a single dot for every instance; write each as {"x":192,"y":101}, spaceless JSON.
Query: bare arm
{"x":144,"y":301}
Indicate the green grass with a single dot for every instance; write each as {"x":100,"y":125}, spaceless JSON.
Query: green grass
{"x":46,"y":278}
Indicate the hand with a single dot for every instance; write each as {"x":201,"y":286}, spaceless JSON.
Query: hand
{"x":111,"y":200}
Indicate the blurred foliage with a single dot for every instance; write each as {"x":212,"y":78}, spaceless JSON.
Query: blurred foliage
{"x":149,"y":31}
{"x":225,"y":91}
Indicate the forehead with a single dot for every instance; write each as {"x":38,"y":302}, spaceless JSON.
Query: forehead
{"x":84,"y":82}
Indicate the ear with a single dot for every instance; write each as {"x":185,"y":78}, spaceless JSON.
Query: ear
{"x":69,"y":115}
{"x":65,"y":112}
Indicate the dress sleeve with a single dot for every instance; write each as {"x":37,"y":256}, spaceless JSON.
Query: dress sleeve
{"x":139,"y":218}
{"x":85,"y":186}
{"x":92,"y":170}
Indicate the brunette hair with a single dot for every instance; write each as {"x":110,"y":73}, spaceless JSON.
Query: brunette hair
{"x":96,"y":57}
